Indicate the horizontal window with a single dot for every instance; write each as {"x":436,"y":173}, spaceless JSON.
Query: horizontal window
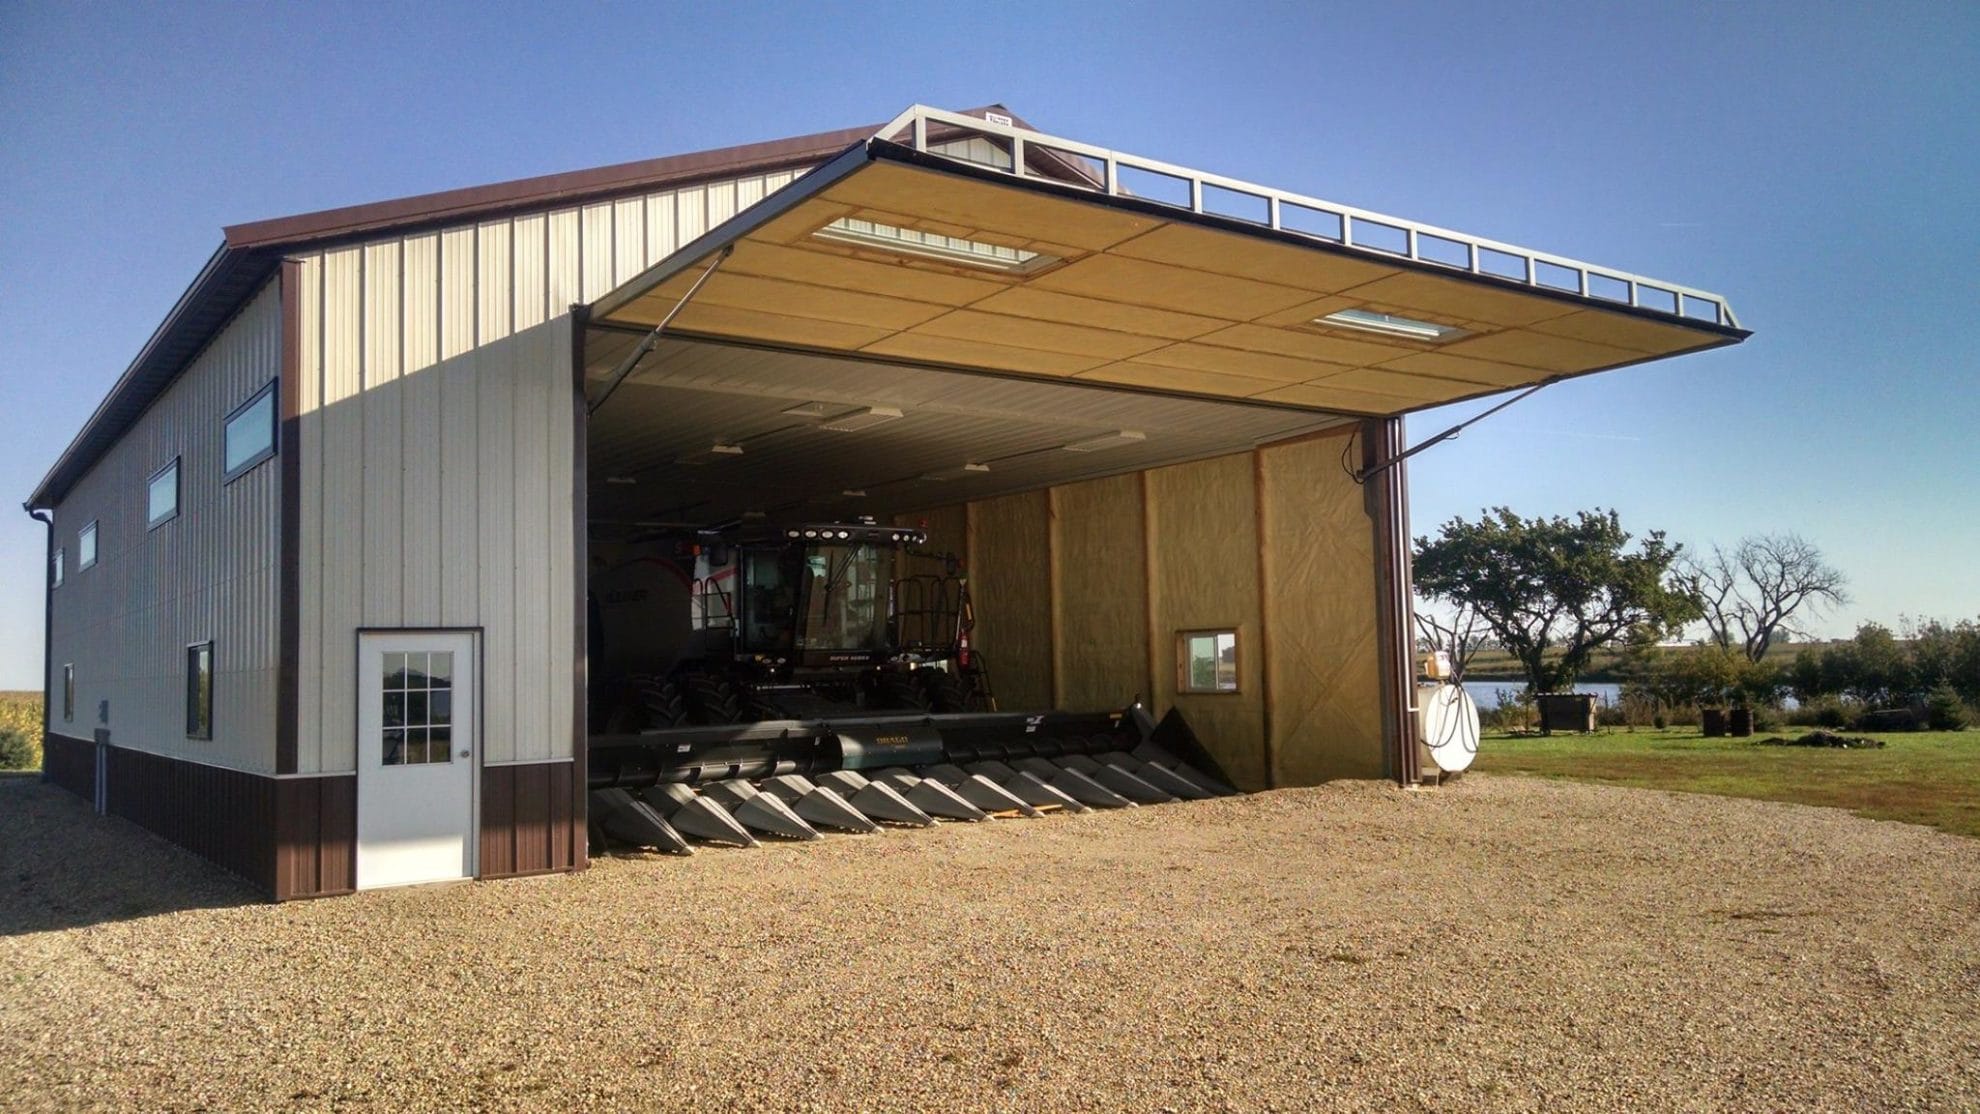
{"x":86,"y":547}
{"x":161,"y":502}
{"x":250,"y":433}
{"x":1207,"y":661}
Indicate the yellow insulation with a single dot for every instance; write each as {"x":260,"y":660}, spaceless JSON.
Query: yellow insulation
{"x":1010,"y":581}
{"x":1100,"y":594}
{"x":1202,"y":531}
{"x":1324,"y":658}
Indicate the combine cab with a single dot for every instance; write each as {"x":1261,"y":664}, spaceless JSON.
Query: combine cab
{"x":770,"y":681}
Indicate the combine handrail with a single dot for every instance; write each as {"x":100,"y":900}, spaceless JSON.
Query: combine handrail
{"x":1529,"y":264}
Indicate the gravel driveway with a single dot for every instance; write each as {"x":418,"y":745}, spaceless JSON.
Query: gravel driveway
{"x":1501,"y":942}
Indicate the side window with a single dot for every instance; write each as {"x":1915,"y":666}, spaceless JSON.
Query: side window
{"x":55,"y":569}
{"x":199,"y":690}
{"x":250,"y":433}
{"x":1207,"y":661}
{"x":162,"y":496}
{"x":86,"y":547}
{"x":69,"y":692}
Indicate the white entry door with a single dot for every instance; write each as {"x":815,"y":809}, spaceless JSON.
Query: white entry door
{"x":416,"y":758}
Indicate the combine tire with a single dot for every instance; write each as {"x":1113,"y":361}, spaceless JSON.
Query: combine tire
{"x":660,"y":701}
{"x":900,"y":691}
{"x":712,"y":700}
{"x":945,"y":693}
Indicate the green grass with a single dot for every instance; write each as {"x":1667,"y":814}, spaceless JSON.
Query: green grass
{"x":1923,"y":777}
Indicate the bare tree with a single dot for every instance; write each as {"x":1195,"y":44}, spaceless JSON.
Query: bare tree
{"x":1460,"y":634}
{"x":1762,"y":590}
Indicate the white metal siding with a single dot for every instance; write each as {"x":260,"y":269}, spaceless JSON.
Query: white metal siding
{"x":125,"y":622}
{"x":436,"y":387}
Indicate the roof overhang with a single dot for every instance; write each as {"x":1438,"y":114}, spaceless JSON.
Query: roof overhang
{"x":896,"y":252}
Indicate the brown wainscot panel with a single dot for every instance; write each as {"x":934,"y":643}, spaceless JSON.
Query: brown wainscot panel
{"x":315,"y":836}
{"x":70,"y":763}
{"x":218,"y":814}
{"x":531,"y":820}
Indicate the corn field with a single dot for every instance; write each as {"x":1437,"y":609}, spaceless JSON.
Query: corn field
{"x":21,"y":711}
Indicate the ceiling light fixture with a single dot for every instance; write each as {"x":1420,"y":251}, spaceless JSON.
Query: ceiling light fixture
{"x":856,"y":420}
{"x":1388,"y":324}
{"x":1107,"y":441}
{"x":720,"y":450}
{"x":930,"y":245}
{"x":959,"y":472}
{"x":810,"y":409}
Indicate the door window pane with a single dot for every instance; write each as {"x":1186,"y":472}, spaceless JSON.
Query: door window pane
{"x":417,"y":711}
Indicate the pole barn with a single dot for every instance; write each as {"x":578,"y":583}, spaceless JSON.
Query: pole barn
{"x":943,"y":468}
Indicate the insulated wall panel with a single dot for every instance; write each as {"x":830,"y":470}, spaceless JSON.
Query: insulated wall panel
{"x":1010,"y":582}
{"x":1320,"y":604}
{"x":1202,"y":529}
{"x":1100,"y":594}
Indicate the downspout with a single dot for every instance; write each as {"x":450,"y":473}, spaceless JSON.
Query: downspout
{"x":46,"y":518}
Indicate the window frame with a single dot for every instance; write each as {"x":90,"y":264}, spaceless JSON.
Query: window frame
{"x":86,"y":558}
{"x":68,"y":692}
{"x":1184,"y":686}
{"x":58,"y":568}
{"x":178,"y":493}
{"x":202,"y":729}
{"x":265,"y":393}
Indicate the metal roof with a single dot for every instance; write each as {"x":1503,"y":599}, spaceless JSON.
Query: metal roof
{"x":250,"y":253}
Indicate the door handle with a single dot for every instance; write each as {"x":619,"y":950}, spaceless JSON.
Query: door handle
{"x":466,"y":753}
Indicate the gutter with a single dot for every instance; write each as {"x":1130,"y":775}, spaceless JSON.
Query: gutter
{"x":46,"y":518}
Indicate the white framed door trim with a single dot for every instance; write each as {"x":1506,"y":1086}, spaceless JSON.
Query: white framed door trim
{"x":474,"y":635}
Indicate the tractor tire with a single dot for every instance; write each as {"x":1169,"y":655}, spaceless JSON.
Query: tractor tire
{"x":661,"y":702}
{"x":712,"y":700}
{"x":900,"y":691}
{"x":945,"y":692}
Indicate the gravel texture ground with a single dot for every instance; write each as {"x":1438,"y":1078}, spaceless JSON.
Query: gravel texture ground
{"x":1498,"y":943}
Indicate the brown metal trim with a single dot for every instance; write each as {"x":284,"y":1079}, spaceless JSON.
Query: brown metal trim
{"x":288,"y":554}
{"x":580,"y":611}
{"x":1052,"y":592}
{"x":1270,"y":745}
{"x":1387,"y":500}
{"x":1148,"y":594}
{"x":476,"y":202}
{"x":47,"y":520}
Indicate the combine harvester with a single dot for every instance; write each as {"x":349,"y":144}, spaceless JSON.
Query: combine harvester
{"x":775,"y":681}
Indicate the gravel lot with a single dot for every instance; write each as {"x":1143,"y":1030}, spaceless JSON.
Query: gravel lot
{"x":1502,"y":943}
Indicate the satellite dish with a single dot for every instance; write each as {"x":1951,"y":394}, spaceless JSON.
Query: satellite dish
{"x":1447,"y":722}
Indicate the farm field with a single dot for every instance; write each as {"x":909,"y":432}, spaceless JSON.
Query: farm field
{"x":1921,"y":777}
{"x":21,"y":711}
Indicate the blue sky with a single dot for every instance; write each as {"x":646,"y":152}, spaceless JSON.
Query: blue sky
{"x":1819,"y":165}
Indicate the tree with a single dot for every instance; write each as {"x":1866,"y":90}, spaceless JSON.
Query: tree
{"x":1752,"y":595}
{"x":1553,"y":590}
